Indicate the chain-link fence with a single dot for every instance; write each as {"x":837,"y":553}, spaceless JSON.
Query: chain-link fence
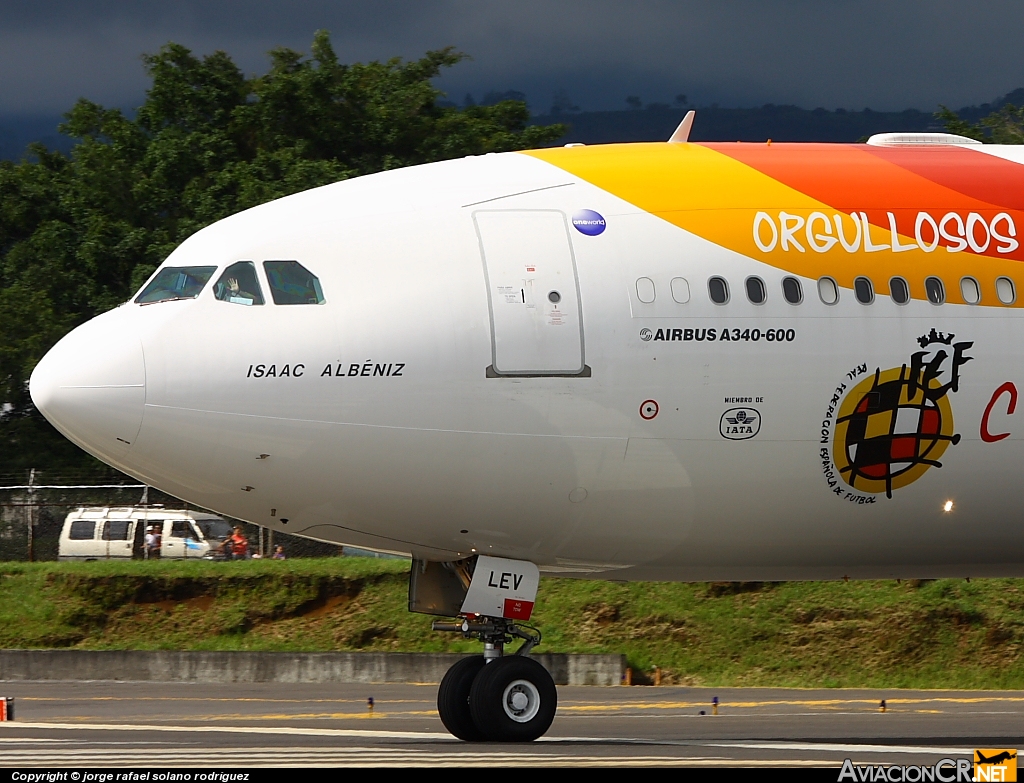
{"x":33,"y":508}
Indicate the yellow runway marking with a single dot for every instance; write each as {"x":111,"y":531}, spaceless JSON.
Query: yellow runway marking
{"x":204,"y":698}
{"x":375,"y":715}
{"x":822,"y":703}
{"x":573,"y":703}
{"x":316,"y":732}
{"x":270,"y":717}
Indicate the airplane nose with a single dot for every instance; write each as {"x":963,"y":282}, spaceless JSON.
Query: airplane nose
{"x":92,"y":385}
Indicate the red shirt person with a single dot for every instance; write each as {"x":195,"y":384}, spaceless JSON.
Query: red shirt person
{"x":236,"y":546}
{"x":239,"y":544}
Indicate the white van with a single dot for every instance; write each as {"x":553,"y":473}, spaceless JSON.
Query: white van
{"x":120,"y":533}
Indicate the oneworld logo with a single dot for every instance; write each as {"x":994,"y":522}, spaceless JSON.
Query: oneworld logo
{"x":589,"y":222}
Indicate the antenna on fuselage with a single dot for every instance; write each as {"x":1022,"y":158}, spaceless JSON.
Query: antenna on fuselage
{"x":682,"y":134}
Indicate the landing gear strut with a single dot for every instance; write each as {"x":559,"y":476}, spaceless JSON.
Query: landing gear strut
{"x":489,"y":697}
{"x":496,"y":698}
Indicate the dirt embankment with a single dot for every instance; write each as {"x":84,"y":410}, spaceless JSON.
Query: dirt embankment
{"x":944,"y":633}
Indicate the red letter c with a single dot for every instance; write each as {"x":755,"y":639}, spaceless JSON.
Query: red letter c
{"x":1006,"y":388}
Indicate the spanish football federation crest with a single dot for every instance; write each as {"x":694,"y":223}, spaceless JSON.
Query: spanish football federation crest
{"x":895,"y":424}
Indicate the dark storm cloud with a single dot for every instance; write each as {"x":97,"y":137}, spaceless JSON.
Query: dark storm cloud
{"x":853,"y":54}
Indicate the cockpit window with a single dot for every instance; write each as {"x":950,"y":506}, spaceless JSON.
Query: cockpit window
{"x":176,"y":282}
{"x":239,"y":285}
{"x":291,"y":283}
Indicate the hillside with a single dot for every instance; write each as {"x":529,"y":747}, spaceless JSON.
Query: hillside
{"x":653,"y":123}
{"x":946,"y":633}
{"x":779,"y":123}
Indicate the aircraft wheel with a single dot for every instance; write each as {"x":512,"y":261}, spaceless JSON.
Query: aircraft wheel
{"x":453,"y":699}
{"x":513,"y":699}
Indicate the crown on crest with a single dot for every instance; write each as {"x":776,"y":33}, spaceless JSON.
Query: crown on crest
{"x":935,"y":337}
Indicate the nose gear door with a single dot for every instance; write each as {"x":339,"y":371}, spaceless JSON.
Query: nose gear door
{"x":532,"y":293}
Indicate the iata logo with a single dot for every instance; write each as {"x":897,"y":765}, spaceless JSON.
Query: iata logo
{"x":892,"y":427}
{"x":740,"y":423}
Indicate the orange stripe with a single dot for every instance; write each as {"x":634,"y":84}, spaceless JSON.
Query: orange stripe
{"x":847,"y":177}
{"x":851,"y":178}
{"x":715,"y":191}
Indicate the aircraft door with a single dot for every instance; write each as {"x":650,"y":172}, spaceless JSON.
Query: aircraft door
{"x":532,"y":292}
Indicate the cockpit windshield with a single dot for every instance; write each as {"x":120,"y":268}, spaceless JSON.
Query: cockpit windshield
{"x":239,"y":285}
{"x":176,"y":282}
{"x":291,"y":283}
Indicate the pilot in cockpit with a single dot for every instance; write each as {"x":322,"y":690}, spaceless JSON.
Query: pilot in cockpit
{"x":239,"y":285}
{"x":233,"y":292}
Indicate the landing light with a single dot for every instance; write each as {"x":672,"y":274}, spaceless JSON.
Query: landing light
{"x":947,"y":506}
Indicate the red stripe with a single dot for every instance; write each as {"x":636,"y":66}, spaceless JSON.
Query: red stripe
{"x":901,"y":180}
{"x":968,"y":171}
{"x":852,"y":177}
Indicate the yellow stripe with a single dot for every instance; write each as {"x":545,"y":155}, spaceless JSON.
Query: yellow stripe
{"x":717,"y":197}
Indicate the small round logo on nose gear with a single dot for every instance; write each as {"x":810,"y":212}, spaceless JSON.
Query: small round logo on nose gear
{"x":648,"y":410}
{"x":646,"y":334}
{"x":588,"y":222}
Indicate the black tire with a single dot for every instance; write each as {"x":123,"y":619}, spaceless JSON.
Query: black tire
{"x":453,"y":699}
{"x":492,"y":705}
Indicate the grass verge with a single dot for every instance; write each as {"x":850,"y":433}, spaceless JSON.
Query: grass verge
{"x":935,"y":634}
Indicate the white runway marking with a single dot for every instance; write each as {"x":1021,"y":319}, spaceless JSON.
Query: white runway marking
{"x":364,"y":757}
{"x":823,"y":747}
{"x":835,"y":748}
{"x":414,"y":735}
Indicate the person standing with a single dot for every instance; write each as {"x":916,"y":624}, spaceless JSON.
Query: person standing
{"x":153,"y":542}
{"x":239,"y":544}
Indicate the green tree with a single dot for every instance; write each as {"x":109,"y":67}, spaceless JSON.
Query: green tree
{"x":1005,"y":126}
{"x":79,"y":233}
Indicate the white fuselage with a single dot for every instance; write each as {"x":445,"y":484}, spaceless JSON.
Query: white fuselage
{"x":400,"y":416}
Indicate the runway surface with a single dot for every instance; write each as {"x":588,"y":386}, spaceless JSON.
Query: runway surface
{"x":100,"y":724}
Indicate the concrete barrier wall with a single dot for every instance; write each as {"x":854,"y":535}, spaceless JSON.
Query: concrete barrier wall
{"x":197,"y":666}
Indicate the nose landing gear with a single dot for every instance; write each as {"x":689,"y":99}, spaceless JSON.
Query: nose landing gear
{"x":495,"y":698}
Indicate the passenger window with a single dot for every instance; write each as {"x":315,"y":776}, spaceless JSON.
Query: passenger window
{"x":645,"y":290}
{"x":181,"y":529}
{"x":970,"y":290}
{"x":899,"y":290}
{"x":1005,"y":290}
{"x":935,"y":290}
{"x":82,"y":530}
{"x":718,"y":289}
{"x":239,"y":285}
{"x":792,"y":290}
{"x":115,"y":530}
{"x":291,"y":283}
{"x":864,"y":291}
{"x":756,"y":292}
{"x":680,"y":290}
{"x":828,"y":290}
{"x":176,"y":282}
